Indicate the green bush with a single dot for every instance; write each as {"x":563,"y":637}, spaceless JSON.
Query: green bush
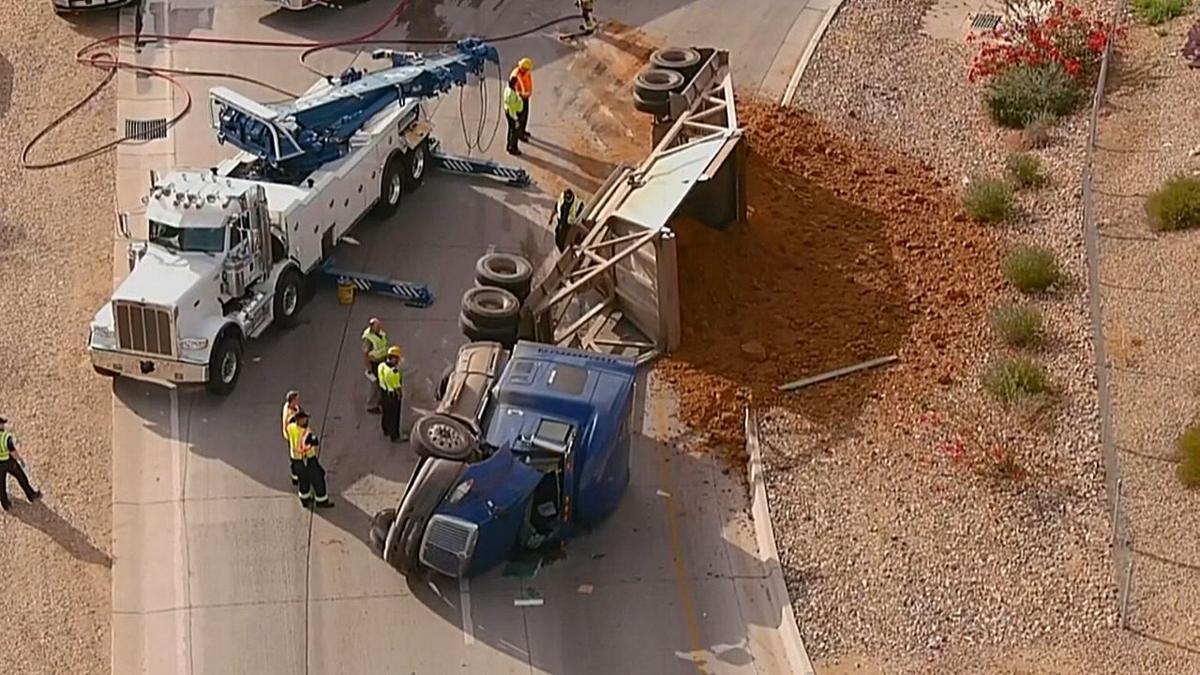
{"x":1018,"y":325}
{"x":1024,"y":170}
{"x":1031,"y":268}
{"x":988,"y":200}
{"x":1188,"y":445}
{"x":1020,"y":94}
{"x":1154,"y":12}
{"x":1016,"y":379}
{"x":1175,"y":205}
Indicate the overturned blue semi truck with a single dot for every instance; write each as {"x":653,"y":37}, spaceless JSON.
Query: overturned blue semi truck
{"x":527,"y":448}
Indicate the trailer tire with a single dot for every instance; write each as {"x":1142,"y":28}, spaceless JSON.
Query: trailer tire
{"x":511,"y":272}
{"x":489,"y":307}
{"x":683,"y":60}
{"x":289,"y":297}
{"x":444,"y":437}
{"x":651,"y":107}
{"x":416,"y":161}
{"x":391,"y":187}
{"x":225,"y":365}
{"x":507,"y":336}
{"x":656,"y":84}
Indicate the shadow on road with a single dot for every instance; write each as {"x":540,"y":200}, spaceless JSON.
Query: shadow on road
{"x":40,"y":516}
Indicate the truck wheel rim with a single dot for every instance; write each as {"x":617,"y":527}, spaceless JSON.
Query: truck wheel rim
{"x":229,"y":366}
{"x":444,"y":436}
{"x":418,"y":164}
{"x":290,"y":296}
{"x":394,"y":188}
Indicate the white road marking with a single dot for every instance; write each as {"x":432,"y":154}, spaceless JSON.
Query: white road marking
{"x":464,"y":601}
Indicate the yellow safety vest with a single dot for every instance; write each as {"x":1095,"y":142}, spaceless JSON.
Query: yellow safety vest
{"x":378,"y":344}
{"x":4,"y":436}
{"x":295,"y":435}
{"x":573,"y":213}
{"x":287,"y":418}
{"x":390,"y":378}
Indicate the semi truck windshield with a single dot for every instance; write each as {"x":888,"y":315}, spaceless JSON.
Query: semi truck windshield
{"x":198,"y":239}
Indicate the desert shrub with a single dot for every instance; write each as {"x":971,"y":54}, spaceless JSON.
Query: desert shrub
{"x":1018,"y":326}
{"x":988,"y":200}
{"x":1020,"y":94}
{"x":1024,"y":170}
{"x":1154,"y":12}
{"x":1036,"y":133}
{"x":1188,"y":445}
{"x":1015,"y":379}
{"x":1191,"y":45}
{"x":1031,"y":268}
{"x":1175,"y":205}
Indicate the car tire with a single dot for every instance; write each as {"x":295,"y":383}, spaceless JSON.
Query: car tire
{"x":656,"y":84}
{"x":487,"y":307}
{"x":104,"y":371}
{"x":289,"y":297}
{"x":391,"y":187}
{"x":444,"y":437}
{"x":416,"y":163}
{"x":513,"y":273}
{"x":380,"y":523}
{"x":225,"y":365}
{"x":651,"y":107}
{"x":683,"y":60}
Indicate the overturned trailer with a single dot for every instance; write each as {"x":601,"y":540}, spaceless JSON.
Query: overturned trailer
{"x":615,"y":287}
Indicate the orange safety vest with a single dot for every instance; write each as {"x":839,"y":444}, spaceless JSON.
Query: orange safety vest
{"x":307,"y":450}
{"x":524,"y":81}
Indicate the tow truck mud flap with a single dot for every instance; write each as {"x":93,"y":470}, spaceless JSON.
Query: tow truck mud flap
{"x":432,"y":479}
{"x":616,"y":287}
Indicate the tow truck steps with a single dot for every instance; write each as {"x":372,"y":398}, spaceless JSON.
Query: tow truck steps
{"x":469,"y":166}
{"x":411,"y":293}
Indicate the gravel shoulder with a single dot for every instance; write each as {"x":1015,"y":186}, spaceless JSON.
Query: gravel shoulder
{"x":55,"y":256}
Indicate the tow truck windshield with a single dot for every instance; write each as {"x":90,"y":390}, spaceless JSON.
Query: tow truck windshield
{"x":192,"y":239}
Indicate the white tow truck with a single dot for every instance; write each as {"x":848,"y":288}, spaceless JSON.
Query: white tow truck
{"x":228,"y":249}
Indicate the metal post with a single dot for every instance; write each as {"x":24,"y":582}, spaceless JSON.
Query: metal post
{"x":1116,"y":511}
{"x":1123,"y":616}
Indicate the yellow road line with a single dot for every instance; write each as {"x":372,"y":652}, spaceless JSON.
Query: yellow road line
{"x":681,"y":581}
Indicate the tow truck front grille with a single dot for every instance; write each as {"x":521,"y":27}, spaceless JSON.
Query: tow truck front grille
{"x":144,"y":329}
{"x":448,"y":544}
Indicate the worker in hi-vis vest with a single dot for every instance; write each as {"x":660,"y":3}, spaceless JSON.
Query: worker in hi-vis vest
{"x":291,"y":406}
{"x":567,"y":212}
{"x":311,"y":487}
{"x":586,"y":7}
{"x":524,"y":88}
{"x":513,"y":105}
{"x":10,"y":464}
{"x":374,"y":348}
{"x":391,"y":383}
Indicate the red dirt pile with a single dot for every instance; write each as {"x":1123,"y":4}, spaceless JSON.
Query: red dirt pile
{"x":848,"y":253}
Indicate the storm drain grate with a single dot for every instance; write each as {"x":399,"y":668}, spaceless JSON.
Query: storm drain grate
{"x":985,"y":22}
{"x":146,"y":130}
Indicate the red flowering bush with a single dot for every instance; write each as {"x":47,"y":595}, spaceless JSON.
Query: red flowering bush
{"x":1064,"y":35}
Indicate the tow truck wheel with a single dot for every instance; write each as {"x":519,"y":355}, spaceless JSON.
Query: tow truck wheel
{"x":444,"y":437}
{"x":225,"y":365}
{"x":391,"y":188}
{"x":415,"y":161}
{"x":487,"y":307}
{"x":289,"y":297}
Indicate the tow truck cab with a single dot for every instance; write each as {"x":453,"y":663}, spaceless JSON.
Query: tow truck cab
{"x":551,"y":458}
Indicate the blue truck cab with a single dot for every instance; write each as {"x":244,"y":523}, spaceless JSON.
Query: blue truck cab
{"x":525,"y":449}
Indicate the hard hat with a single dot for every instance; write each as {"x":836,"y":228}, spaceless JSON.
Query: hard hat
{"x":394,"y":351}
{"x":525,"y":63}
{"x":373,"y":321}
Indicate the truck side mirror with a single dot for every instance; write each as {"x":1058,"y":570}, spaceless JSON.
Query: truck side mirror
{"x":123,"y":224}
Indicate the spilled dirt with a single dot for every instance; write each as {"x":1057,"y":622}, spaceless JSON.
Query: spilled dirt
{"x":848,"y":253}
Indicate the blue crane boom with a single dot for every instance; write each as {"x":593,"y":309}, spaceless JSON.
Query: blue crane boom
{"x":296,"y":137}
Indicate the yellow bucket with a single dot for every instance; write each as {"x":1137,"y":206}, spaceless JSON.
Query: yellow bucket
{"x":345,"y":292}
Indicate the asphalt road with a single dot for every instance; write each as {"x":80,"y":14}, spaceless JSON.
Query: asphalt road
{"x":217,"y":567}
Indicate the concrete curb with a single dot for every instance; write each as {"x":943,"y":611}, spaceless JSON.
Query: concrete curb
{"x":764,"y":534}
{"x":809,"y":50}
